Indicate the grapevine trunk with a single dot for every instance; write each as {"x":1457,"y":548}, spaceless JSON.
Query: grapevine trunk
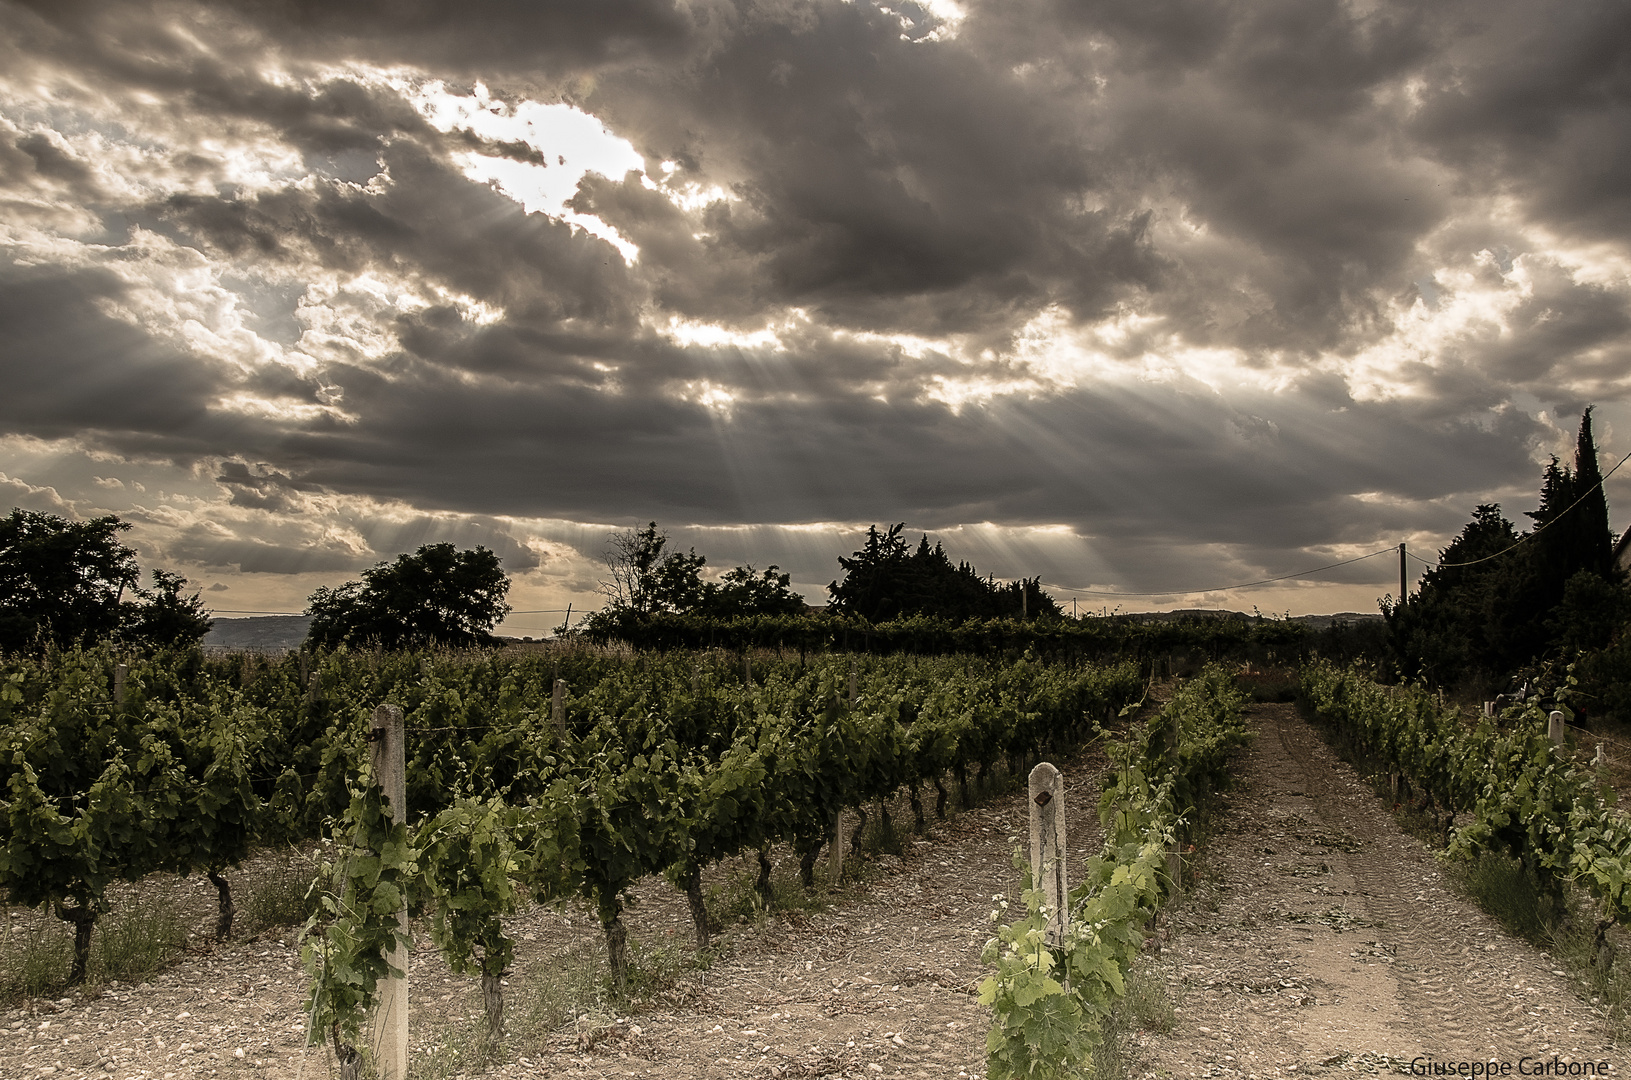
{"x":83,"y":918}
{"x":617,"y":950}
{"x":762,"y":885}
{"x":350,"y":1058}
{"x":227,"y":909}
{"x":492,"y":1001}
{"x":699,"y":909}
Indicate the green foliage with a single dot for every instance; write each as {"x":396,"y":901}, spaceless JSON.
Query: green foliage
{"x":668,"y":764}
{"x":648,"y":580}
{"x":439,"y":595}
{"x":884,"y":581}
{"x":164,"y":618}
{"x":1527,"y":797}
{"x":60,"y":580}
{"x":468,"y":856}
{"x":742,"y":592}
{"x":346,"y":946}
{"x":1102,"y":638}
{"x":1516,"y":603}
{"x":1050,"y":1000}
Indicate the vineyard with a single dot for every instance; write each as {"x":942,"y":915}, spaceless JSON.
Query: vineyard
{"x":582,"y":777}
{"x":516,"y":784}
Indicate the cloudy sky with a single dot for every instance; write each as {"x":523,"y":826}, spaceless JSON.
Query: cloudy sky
{"x":1137,"y":295}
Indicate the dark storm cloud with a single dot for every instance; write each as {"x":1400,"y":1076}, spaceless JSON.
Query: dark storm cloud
{"x":261,"y":488}
{"x":470,"y":38}
{"x":884,"y":184}
{"x":1535,"y":98}
{"x":68,"y":367}
{"x":1277,"y":177}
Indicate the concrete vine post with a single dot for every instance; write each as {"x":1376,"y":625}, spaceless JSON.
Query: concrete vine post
{"x":389,"y":1035}
{"x":1555,"y":727}
{"x":557,"y":710}
{"x":1047,"y":791}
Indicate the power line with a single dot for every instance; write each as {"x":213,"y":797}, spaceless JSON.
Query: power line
{"x":1529,"y":535}
{"x":1223,"y":588}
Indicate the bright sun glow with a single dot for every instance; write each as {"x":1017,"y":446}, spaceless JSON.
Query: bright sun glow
{"x":565,"y":145}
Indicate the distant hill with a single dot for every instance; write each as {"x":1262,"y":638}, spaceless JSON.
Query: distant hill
{"x":259,"y":632}
{"x":1314,"y":622}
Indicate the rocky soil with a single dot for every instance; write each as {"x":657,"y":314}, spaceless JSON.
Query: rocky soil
{"x":1317,"y":938}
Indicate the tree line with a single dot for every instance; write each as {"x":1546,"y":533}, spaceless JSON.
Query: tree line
{"x":1502,"y":603}
{"x":63,"y":582}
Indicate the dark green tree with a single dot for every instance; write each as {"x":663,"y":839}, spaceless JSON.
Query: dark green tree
{"x":647,"y":578}
{"x":884,"y":580}
{"x":61,"y":581}
{"x":873,"y":576}
{"x":1445,"y":629}
{"x":164,"y":617}
{"x":744,"y":591}
{"x":439,"y":595}
{"x":1552,"y":593}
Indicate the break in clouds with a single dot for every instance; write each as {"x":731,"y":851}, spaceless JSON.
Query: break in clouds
{"x":1138,"y":296}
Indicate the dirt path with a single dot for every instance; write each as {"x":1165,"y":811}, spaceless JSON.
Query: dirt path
{"x":1321,"y":938}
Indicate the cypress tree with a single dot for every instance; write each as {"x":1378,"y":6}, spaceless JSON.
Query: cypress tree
{"x":1596,"y":541}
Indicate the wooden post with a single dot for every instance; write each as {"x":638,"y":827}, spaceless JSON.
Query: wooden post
{"x":120,"y":672}
{"x":1404,"y":590}
{"x":557,"y":710}
{"x":747,"y":670}
{"x":305,"y":669}
{"x":852,"y":694}
{"x":1554,"y":727}
{"x":1047,"y":792}
{"x":389,"y":1034}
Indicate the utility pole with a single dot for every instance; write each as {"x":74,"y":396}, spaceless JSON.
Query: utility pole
{"x":1402,"y":590}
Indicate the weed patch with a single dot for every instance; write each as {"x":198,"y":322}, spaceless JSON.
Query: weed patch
{"x":281,"y":896}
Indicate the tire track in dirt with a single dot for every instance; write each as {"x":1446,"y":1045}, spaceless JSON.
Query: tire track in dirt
{"x":1319,"y":937}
